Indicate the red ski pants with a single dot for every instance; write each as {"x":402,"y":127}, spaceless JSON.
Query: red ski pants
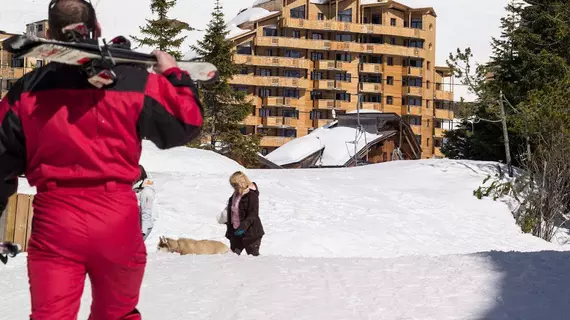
{"x":91,"y":231}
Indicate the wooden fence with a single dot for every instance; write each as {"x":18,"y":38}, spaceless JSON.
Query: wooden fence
{"x":16,"y":222}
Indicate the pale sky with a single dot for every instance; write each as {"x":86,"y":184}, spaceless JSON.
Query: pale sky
{"x":460,"y":23}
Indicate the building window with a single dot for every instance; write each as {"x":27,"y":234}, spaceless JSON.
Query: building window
{"x":317,"y":36}
{"x":389,"y":100}
{"x":416,"y":44}
{"x":298,"y":13}
{"x":292,"y":53}
{"x":243,"y":71}
{"x":320,"y":16}
{"x":297,"y":34}
{"x":244,"y":50}
{"x":428,"y":84}
{"x":390,"y":80}
{"x":270,"y":32}
{"x":376,"y":39}
{"x":265,"y":72}
{"x":412,"y":82}
{"x":17,"y":63}
{"x":344,"y":37}
{"x":343,"y":77}
{"x":343,"y":56}
{"x":412,"y":101}
{"x":437,"y":143}
{"x":393,"y":22}
{"x":345,"y":16}
{"x":264,"y":92}
{"x":317,"y":56}
{"x":315,"y":75}
{"x":427,"y":142}
{"x":343,"y":96}
{"x":40,"y":27}
{"x":392,"y":40}
{"x":429,"y":65}
{"x":390,"y":61}
{"x":39,"y":63}
{"x":376,"y":19}
{"x":291,"y":93}
{"x":416,"y":23}
{"x":292,"y":73}
{"x":416,"y":63}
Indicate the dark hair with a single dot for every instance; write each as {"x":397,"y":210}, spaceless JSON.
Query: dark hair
{"x":143,"y":173}
{"x":62,"y":13}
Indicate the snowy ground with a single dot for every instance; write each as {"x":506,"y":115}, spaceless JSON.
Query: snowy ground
{"x":401,"y":240}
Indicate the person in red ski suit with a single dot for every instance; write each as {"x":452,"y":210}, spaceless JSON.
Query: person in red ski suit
{"x":80,"y":146}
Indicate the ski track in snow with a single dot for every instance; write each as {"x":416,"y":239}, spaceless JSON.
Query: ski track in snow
{"x":400,"y":240}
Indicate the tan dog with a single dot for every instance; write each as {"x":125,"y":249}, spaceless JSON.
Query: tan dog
{"x":185,"y":246}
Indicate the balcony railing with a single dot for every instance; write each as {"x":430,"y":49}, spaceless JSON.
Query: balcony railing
{"x":438,"y":132}
{"x":371,"y":68}
{"x":371,"y":48}
{"x":273,"y":141}
{"x":317,"y":123}
{"x":413,"y":71}
{"x":370,"y":87}
{"x":444,"y":114}
{"x":283,"y":62}
{"x":413,"y":91}
{"x":279,"y":121}
{"x":412,"y":110}
{"x":251,"y":120}
{"x":282,"y":102}
{"x":372,"y":106}
{"x":332,"y":85}
{"x":341,"y":26}
{"x":269,"y":81}
{"x":443,"y":95}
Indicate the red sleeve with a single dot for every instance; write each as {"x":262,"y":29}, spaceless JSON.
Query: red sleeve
{"x":172,"y":114}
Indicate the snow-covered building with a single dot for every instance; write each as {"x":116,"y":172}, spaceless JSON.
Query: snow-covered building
{"x":352,"y":140}
{"x":306,"y":61}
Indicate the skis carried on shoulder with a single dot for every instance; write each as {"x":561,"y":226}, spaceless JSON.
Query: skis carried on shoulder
{"x":97,"y":58}
{"x":8,"y":249}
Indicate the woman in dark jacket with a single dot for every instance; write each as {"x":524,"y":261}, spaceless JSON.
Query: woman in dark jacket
{"x":244,"y":228}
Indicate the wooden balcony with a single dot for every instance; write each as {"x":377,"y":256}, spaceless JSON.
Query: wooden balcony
{"x":317,"y":123}
{"x":417,"y":129}
{"x":7,"y":73}
{"x":279,"y":122}
{"x":371,"y":68}
{"x":437,"y":152}
{"x":413,"y":91}
{"x":413,"y":71}
{"x":324,"y":104}
{"x":412,"y":110}
{"x":273,"y":141}
{"x":372,"y":106}
{"x":444,"y":114}
{"x":282,"y":62}
{"x":346,"y":105}
{"x":370,"y":87}
{"x":328,"y":65}
{"x":354,"y":47}
{"x":351,"y":27}
{"x":335,"y":85}
{"x":443,"y":95}
{"x":251,"y":120}
{"x":282,"y":102}
{"x":438,"y":132}
{"x":263,"y":81}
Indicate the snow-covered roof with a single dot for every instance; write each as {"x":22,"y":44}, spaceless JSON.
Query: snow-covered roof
{"x":364,"y":111}
{"x":338,"y":144}
{"x":250,"y":15}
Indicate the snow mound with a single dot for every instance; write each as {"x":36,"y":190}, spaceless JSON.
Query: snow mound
{"x":338,"y":143}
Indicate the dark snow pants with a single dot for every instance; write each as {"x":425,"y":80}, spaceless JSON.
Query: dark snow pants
{"x":251,"y":246}
{"x":79,"y":231}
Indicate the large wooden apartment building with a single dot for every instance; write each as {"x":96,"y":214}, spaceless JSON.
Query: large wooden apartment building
{"x":12,"y":68}
{"x":306,"y":61}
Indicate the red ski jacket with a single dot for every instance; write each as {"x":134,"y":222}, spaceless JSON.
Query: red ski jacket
{"x":56,"y":127}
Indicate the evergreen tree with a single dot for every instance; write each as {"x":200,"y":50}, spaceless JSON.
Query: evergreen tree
{"x":224,"y":107}
{"x":162,"y":32}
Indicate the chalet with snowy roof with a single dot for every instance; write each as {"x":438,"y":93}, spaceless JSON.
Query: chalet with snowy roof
{"x":353,"y":139}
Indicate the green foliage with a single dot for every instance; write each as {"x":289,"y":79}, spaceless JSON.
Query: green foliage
{"x":162,"y":33}
{"x":225,"y":108}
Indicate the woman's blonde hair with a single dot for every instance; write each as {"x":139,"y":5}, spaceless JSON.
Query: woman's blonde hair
{"x":240,"y":181}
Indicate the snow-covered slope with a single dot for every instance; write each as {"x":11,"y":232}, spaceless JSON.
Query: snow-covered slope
{"x":400,"y":240}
